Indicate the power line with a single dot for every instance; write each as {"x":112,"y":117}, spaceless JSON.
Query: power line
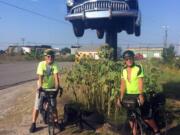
{"x":32,"y":12}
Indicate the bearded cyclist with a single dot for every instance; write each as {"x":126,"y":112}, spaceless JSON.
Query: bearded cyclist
{"x":132,"y":88}
{"x":48,"y":78}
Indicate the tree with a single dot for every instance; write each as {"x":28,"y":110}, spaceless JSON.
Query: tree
{"x":168,"y":54}
{"x":65,"y":50}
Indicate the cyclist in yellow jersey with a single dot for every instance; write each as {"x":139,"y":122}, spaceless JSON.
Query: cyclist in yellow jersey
{"x":48,"y":78}
{"x":132,"y":87}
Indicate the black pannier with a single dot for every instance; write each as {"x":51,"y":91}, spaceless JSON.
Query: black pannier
{"x":157,"y":99}
{"x":71,"y":113}
{"x":129,"y":104}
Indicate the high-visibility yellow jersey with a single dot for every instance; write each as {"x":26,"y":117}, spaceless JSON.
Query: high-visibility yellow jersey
{"x":48,"y":71}
{"x":132,"y":85}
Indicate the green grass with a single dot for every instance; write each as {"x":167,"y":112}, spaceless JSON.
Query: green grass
{"x":169,"y":74}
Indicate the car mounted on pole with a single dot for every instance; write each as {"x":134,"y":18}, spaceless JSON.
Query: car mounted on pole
{"x":103,"y":15}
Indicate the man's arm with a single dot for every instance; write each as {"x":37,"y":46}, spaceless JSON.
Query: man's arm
{"x":122,"y":92}
{"x":122,"y":88}
{"x":140,"y":86}
{"x":40,"y":75}
{"x":40,"y":80}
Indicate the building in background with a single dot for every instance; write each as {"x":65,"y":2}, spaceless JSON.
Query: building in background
{"x":92,"y":51}
{"x":74,"y":49}
{"x":87,"y":52}
{"x":13,"y":49}
{"x":177,"y":50}
{"x":148,"y":52}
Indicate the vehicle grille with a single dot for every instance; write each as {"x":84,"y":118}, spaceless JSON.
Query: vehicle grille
{"x":101,"y":5}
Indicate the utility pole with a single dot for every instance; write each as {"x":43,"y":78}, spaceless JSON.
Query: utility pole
{"x":165,"y":27}
{"x":77,"y":41}
{"x":23,"y":41}
{"x":111,"y":40}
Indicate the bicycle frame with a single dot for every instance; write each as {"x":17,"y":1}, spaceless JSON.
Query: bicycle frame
{"x":139,"y":122}
{"x":48,"y":109}
{"x":156,"y":107}
{"x":135,"y":119}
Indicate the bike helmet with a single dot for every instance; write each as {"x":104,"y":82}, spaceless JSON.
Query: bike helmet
{"x":49,"y":52}
{"x":128,"y":54}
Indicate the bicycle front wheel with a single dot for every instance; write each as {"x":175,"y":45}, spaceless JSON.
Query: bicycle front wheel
{"x":51,"y":124}
{"x":139,"y":128}
{"x":143,"y":129}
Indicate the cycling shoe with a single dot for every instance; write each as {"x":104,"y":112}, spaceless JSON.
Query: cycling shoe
{"x":32,"y":128}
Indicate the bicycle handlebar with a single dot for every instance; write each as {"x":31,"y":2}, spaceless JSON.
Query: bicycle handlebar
{"x":51,"y":90}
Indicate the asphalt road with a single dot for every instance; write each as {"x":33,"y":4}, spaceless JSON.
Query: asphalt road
{"x":20,"y":72}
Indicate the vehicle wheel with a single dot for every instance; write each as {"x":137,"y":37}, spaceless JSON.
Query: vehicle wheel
{"x":130,"y":27}
{"x":130,"y":30}
{"x":78,"y":29}
{"x":100,"y":33}
{"x":51,"y":124}
{"x":43,"y":112}
{"x":44,"y":116}
{"x":140,"y":130}
{"x":137,"y":31}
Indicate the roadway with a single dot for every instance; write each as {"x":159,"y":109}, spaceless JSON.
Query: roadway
{"x":19,"y":72}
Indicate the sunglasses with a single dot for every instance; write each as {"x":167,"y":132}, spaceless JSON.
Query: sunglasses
{"x":130,"y":59}
{"x":50,"y":56}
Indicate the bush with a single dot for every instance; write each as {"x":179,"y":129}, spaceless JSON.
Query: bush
{"x":95,"y":83}
{"x":152,"y":72}
{"x":69,"y":58}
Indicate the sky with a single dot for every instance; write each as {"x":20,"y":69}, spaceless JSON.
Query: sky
{"x":52,"y":28}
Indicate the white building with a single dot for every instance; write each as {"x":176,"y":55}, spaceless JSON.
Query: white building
{"x":26,"y":50}
{"x":177,"y":49}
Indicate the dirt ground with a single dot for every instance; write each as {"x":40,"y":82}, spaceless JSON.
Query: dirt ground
{"x":16,"y":107}
{"x":17,"y":99}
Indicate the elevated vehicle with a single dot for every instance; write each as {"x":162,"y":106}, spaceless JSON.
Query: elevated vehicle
{"x":104,"y":16}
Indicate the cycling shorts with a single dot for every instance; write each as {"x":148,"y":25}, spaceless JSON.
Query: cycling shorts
{"x":38,"y":101}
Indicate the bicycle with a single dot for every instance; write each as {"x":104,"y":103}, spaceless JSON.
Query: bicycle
{"x":48,"y":108}
{"x":135,"y":117}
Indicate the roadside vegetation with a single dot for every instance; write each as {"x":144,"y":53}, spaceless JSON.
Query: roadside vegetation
{"x":96,"y":83}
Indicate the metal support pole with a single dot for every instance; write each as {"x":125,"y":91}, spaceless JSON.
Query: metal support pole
{"x":111,"y":40}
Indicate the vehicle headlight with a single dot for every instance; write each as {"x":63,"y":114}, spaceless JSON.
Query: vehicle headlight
{"x":70,"y":3}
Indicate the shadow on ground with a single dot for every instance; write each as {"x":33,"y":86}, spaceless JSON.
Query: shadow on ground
{"x":174,"y":131}
{"x":40,"y":128}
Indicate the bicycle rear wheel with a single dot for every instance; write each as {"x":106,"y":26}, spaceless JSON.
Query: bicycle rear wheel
{"x":51,"y":124}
